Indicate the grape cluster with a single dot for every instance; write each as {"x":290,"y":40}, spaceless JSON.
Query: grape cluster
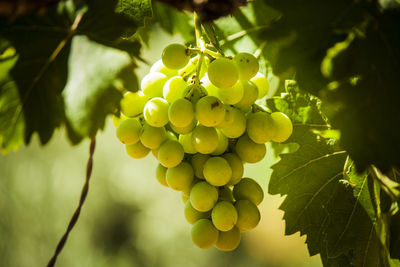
{"x":197,"y":116}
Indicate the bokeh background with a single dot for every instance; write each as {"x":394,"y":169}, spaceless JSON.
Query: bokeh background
{"x":129,"y":219}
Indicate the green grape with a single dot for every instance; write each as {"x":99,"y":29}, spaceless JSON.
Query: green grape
{"x":181,"y":112}
{"x":152,"y":84}
{"x":187,"y":189}
{"x":248,"y":215}
{"x":117,"y":120}
{"x":223,"y":72}
{"x":217,"y":171}
{"x":171,"y":136}
{"x":250,"y":94}
{"x":248,"y":189}
{"x":187,"y":144}
{"x":161,"y":172}
{"x":156,"y":112}
{"x":225,"y":194}
{"x":283,"y":127}
{"x":205,"y":139}
{"x":203,"y":196}
{"x":237,"y":167}
{"x":210,"y":111}
{"x":249,"y":151}
{"x":174,"y":56}
{"x":262,"y":84}
{"x":174,"y":88}
{"x":152,"y":137}
{"x":198,"y":161}
{"x":128,"y":131}
{"x":192,"y":215}
{"x":210,"y":88}
{"x":223,"y":143}
{"x":194,"y":92}
{"x":170,"y":153}
{"x":158,"y":66}
{"x":185,"y":198}
{"x":180,"y":177}
{"x":237,"y":127}
{"x":228,"y":118}
{"x":132,"y":104}
{"x":260,"y":127}
{"x":137,"y":150}
{"x":231,"y":95}
{"x":204,"y":234}
{"x":247,"y":65}
{"x":184,"y":130}
{"x":224,"y":216}
{"x":229,"y":240}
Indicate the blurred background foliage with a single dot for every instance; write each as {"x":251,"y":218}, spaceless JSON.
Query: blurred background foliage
{"x":129,"y":219}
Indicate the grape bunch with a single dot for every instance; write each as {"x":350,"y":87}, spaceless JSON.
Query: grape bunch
{"x":197,"y":115}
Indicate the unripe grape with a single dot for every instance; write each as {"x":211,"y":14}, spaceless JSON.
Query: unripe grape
{"x":137,"y":150}
{"x":174,"y":56}
{"x":152,"y":137}
{"x":192,"y":215}
{"x":248,"y":189}
{"x":203,"y":196}
{"x":250,"y":94}
{"x":217,"y":171}
{"x":210,"y":111}
{"x":262,"y":84}
{"x":237,"y":167}
{"x":158,"y":66}
{"x":224,"y":216}
{"x":205,"y":139}
{"x":156,"y":112}
{"x":223,"y":72}
{"x":237,"y":127}
{"x":187,"y":144}
{"x":152,"y":84}
{"x":204,"y":234}
{"x":248,"y":215}
{"x":180,"y":177}
{"x":260,"y":127}
{"x":198,"y":162}
{"x":223,"y":143}
{"x":249,"y":151}
{"x":174,"y":88}
{"x":231,"y":95}
{"x":170,"y":153}
{"x":283,"y":127}
{"x":229,"y":240}
{"x":184,"y":130}
{"x":161,"y":172}
{"x":181,"y":112}
{"x":132,"y":104}
{"x":247,"y":65}
{"x":128,"y":131}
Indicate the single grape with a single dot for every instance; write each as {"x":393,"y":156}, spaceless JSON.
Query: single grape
{"x":223,"y":72}
{"x":174,"y":56}
{"x":225,"y":194}
{"x":158,"y":66}
{"x":156,"y":112}
{"x":128,"y":131}
{"x":174,"y":88}
{"x":205,"y":139}
{"x":237,"y":127}
{"x":248,"y":189}
{"x":188,"y":189}
{"x":137,"y":150}
{"x":152,"y":84}
{"x":223,"y":143}
{"x":203,"y":196}
{"x":217,"y":171}
{"x":192,"y":215}
{"x":181,"y":112}
{"x":210,"y":88}
{"x":198,"y":161}
{"x":249,"y":151}
{"x":152,"y":137}
{"x":250,"y":94}
{"x":184,"y":130}
{"x":229,"y":240}
{"x":247,"y":65}
{"x":194,"y":92}
{"x":161,"y":172}
{"x":260,"y":127}
{"x":204,"y":234}
{"x":170,"y":153}
{"x":248,"y":215}
{"x":283,"y":127}
{"x":231,"y":95}
{"x":132,"y":104}
{"x":224,"y":215}
{"x":171,"y":136}
{"x":228,"y":118}
{"x":210,"y":111}
{"x":180,"y":177}
{"x":187,"y":144}
{"x":262,"y":84}
{"x":237,"y":167}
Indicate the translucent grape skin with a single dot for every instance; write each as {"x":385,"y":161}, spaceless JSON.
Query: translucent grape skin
{"x":237,"y":167}
{"x":180,"y":177}
{"x":181,"y":112}
{"x":170,"y":153}
{"x":156,"y":112}
{"x":184,"y":130}
{"x":174,"y":88}
{"x":152,"y":137}
{"x":137,"y":150}
{"x":228,"y":118}
{"x":247,"y":65}
{"x":132,"y":103}
{"x":231,"y":95}
{"x":174,"y":56}
{"x":210,"y":111}
{"x":128,"y":131}
{"x":210,"y":88}
{"x":262,"y":84}
{"x":248,"y":189}
{"x":224,"y":216}
{"x":204,"y":234}
{"x":249,"y":151}
{"x":248,"y":215}
{"x":217,"y":171}
{"x":283,"y":127}
{"x":250,"y":94}
{"x":223,"y":144}
{"x":205,"y":139}
{"x":192,"y":215}
{"x":161,"y":172}
{"x":158,"y":66}
{"x":238,"y":125}
{"x":223,"y":72}
{"x":198,"y":161}
{"x":203,"y":196}
{"x":152,"y":84}
{"x":186,"y":142}
{"x":229,"y":240}
{"x":260,"y":127}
